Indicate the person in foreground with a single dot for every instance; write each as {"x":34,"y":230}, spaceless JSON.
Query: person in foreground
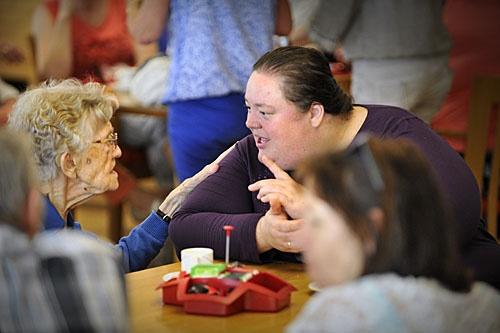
{"x":49,"y":281}
{"x":382,"y":250}
{"x":75,"y":150}
{"x":296,"y":110}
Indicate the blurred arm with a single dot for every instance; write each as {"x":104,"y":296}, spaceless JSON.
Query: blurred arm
{"x":146,"y":27}
{"x":53,"y":47}
{"x":283,"y":18}
{"x":331,"y":22}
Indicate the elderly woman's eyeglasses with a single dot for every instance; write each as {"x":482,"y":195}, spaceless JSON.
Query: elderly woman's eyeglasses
{"x":111,"y":140}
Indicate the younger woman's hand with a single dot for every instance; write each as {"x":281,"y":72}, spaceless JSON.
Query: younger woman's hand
{"x":275,"y":230}
{"x":282,"y":189}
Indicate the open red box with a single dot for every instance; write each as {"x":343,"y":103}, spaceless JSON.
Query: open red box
{"x":263,"y":292}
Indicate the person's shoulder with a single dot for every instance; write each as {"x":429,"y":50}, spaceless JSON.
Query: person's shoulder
{"x":75,"y":263}
{"x":486,"y":303}
{"x":72,"y":243}
{"x":486,"y":294}
{"x":360,"y":304}
{"x":391,"y":120}
{"x":347,"y":307}
{"x":423,"y":297}
{"x":364,"y":286}
{"x":355,"y":295}
{"x":376,"y":111}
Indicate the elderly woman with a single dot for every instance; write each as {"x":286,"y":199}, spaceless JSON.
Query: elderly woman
{"x":381,"y":248}
{"x":75,"y":151}
{"x":45,"y":275}
{"x":296,"y":110}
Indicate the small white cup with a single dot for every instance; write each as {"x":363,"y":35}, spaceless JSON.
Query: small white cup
{"x":195,"y":256}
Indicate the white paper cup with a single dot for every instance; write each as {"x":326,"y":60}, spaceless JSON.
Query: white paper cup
{"x":195,"y":256}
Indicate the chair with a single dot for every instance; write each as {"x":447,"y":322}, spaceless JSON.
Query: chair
{"x":485,"y":94}
{"x":23,"y":72}
{"x":15,"y":25}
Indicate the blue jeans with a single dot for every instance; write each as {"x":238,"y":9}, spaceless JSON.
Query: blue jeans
{"x":199,"y":130}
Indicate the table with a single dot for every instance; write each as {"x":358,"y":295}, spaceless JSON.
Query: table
{"x":128,"y":104}
{"x":148,"y":314}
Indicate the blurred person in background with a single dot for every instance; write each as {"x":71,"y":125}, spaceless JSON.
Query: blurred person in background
{"x":398,"y":49}
{"x":303,"y":11}
{"x":212,"y":45}
{"x":77,"y":38}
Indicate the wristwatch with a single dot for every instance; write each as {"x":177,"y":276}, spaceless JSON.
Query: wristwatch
{"x":163,"y":216}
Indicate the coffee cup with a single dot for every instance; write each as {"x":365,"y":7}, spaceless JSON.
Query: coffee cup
{"x":195,"y":256}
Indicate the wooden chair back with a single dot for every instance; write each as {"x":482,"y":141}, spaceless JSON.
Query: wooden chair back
{"x":15,"y":28}
{"x":485,"y":94}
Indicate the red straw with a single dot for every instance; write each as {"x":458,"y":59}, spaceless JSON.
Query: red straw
{"x":228,"y":229}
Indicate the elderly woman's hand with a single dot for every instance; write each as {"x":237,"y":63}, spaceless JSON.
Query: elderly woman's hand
{"x":284,"y":189}
{"x":275,"y":230}
{"x":176,"y":197}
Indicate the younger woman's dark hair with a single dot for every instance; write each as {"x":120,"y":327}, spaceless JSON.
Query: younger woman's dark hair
{"x":307,"y":78}
{"x":416,"y":237}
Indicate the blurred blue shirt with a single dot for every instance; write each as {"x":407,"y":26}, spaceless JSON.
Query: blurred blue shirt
{"x":213,"y":45}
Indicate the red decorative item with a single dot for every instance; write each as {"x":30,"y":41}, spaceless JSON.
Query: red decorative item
{"x":263,"y":292}
{"x":228,"y":229}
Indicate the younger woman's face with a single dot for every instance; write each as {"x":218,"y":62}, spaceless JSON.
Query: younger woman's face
{"x":333,"y":253}
{"x":281,"y":131}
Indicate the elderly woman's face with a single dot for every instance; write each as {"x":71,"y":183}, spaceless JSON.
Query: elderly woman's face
{"x":95,"y":165}
{"x":280,"y":130}
{"x":333,"y":253}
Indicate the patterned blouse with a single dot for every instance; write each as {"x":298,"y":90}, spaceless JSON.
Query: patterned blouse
{"x":214,"y":43}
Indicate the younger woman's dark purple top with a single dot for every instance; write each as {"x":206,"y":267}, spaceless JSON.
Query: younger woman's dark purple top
{"x":223,"y":198}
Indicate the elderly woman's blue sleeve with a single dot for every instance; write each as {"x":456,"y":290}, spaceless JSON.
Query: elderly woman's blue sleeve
{"x":143,"y":243}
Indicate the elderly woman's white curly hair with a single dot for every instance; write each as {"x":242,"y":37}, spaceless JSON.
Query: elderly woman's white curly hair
{"x":61,"y":116}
